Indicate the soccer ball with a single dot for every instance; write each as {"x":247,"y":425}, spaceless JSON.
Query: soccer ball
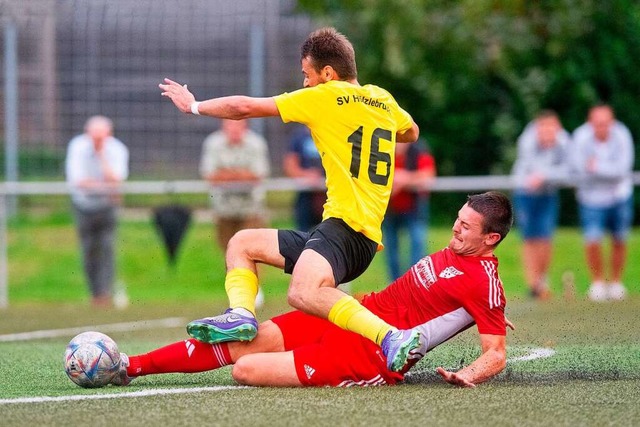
{"x":91,"y":359}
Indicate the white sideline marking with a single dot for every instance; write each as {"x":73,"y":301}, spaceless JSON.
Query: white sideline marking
{"x":141,"y":393}
{"x":536,"y":353}
{"x":170,"y":322}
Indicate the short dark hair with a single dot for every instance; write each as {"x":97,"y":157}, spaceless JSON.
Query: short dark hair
{"x":547,"y":113}
{"x":496,"y":210}
{"x":327,"y":46}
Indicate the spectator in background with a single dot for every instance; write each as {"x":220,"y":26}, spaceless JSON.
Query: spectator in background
{"x":236,"y":154}
{"x":604,"y":157}
{"x":541,"y":166}
{"x":303,"y":161}
{"x":409,"y":205}
{"x":96,"y":164}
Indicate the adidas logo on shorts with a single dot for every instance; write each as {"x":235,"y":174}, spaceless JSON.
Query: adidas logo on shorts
{"x":190,"y":347}
{"x":309,"y":371}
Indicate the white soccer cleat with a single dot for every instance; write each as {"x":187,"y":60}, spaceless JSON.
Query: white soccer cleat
{"x":121,"y":378}
{"x":598,"y":292}
{"x":617,"y":291}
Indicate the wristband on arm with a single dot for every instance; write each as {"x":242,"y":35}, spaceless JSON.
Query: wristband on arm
{"x":194,"y":108}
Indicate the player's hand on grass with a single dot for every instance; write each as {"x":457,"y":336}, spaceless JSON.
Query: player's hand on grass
{"x":509,"y":324}
{"x":179,"y":94}
{"x":454,"y":378}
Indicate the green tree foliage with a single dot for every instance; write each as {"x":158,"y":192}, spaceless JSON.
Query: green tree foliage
{"x":474,"y":72}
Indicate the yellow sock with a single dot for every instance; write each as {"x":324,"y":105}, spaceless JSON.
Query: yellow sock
{"x":349,"y":314}
{"x":241,"y":285}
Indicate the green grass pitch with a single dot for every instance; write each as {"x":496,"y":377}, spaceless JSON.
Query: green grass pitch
{"x":590,"y":376}
{"x":571,"y":362}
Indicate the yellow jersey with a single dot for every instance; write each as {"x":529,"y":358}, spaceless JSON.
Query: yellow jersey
{"x":354,"y":128}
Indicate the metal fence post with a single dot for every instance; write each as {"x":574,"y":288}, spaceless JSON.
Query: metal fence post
{"x":257,"y":69}
{"x":11,"y":110}
{"x":4,"y":264}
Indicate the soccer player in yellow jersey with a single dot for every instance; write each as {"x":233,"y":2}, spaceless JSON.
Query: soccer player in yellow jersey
{"x":355,"y":129}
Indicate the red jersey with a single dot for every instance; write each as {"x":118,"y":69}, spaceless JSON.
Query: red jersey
{"x":405,"y":200}
{"x":442,"y":295}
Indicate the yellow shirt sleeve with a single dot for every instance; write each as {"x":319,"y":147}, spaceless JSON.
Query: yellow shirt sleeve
{"x":354,"y":128}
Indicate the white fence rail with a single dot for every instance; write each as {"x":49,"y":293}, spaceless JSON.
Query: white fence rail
{"x":467,"y":183}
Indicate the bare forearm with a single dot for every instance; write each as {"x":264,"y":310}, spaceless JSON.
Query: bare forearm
{"x":229,"y":107}
{"x":97,"y":186}
{"x":488,"y":365}
{"x":422,"y":179}
{"x":108,"y":172}
{"x":226,"y":175}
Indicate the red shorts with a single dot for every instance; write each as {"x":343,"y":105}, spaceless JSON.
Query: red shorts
{"x":326,"y":355}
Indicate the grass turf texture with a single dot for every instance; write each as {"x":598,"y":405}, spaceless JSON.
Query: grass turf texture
{"x":44,"y":263}
{"x":592,"y":379}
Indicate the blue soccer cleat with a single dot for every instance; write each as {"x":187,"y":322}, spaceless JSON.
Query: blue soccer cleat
{"x":398,"y":346}
{"x":229,"y":326}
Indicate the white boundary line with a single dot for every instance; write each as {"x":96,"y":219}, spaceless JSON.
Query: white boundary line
{"x":535,"y":353}
{"x":132,"y":394}
{"x":170,"y":322}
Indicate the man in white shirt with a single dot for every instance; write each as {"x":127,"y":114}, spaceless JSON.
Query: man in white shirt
{"x":541,"y":167}
{"x":604,"y":158}
{"x":96,"y":164}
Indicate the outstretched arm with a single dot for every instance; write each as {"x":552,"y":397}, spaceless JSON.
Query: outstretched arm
{"x":490,"y":363}
{"x":228,"y":107}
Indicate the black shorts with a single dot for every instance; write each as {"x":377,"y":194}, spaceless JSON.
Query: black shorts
{"x":348,"y":252}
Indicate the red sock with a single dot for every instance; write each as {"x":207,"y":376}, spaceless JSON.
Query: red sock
{"x":183,"y":356}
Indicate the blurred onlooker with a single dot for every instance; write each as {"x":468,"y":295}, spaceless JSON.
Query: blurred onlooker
{"x":541,"y":165}
{"x":303,"y":161}
{"x":604,"y":160}
{"x":236,"y":155}
{"x":96,"y":164}
{"x":409,"y":206}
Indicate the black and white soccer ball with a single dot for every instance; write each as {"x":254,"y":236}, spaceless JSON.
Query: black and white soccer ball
{"x":91,"y":359}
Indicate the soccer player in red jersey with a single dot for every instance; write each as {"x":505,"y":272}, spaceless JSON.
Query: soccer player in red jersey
{"x":442,"y":295}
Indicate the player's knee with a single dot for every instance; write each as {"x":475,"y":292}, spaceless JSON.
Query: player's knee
{"x":239,"y":240}
{"x":297,"y":297}
{"x":243,"y":372}
{"x":242,"y":244}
